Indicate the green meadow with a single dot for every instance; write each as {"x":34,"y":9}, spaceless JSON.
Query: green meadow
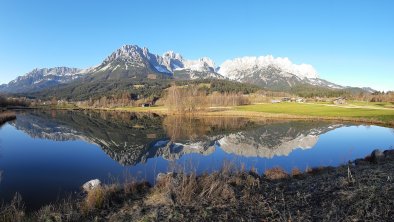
{"x":320,"y":110}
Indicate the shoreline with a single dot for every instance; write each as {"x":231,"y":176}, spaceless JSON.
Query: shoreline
{"x":230,"y":112}
{"x":363,"y":189}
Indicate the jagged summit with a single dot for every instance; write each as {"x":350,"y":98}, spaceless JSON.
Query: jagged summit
{"x":233,"y":68}
{"x":173,"y":55}
{"x":131,"y":57}
{"x":127,"y":53}
{"x":133,"y":62}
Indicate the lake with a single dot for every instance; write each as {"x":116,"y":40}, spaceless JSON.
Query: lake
{"x":48,"y":155}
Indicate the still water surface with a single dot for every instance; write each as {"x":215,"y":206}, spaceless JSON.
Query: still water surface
{"x":46,"y":155}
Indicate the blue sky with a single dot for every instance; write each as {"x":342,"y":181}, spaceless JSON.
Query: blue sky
{"x":348,"y":42}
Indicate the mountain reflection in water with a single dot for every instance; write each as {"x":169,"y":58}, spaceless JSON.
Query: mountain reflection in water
{"x":130,"y":138}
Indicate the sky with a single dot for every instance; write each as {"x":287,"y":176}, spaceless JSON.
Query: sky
{"x":348,"y":42}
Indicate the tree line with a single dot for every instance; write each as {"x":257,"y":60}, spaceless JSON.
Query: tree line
{"x":6,"y":102}
{"x":192,"y":98}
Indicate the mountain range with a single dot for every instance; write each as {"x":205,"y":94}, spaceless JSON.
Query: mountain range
{"x":133,"y":63}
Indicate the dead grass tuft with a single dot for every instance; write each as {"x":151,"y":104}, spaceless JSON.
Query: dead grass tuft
{"x":295,"y":172}
{"x":135,"y":187}
{"x":49,"y":213}
{"x":186,"y":189}
{"x":216,"y":188}
{"x":316,"y":170}
{"x":97,"y":198}
{"x":13,"y":212}
{"x":6,"y":116}
{"x":276,"y":173}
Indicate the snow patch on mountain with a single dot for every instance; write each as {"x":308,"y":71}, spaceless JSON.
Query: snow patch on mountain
{"x":324,"y":83}
{"x":38,"y":78}
{"x":133,"y":55}
{"x":232,"y":68}
{"x":174,"y":61}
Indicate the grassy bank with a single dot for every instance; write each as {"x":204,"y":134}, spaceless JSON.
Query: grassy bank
{"x":353,"y":192}
{"x":374,"y":114}
{"x":6,"y":116}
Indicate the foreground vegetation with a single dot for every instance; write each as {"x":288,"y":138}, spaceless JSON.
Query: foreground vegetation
{"x":6,"y":116}
{"x":362,"y":190}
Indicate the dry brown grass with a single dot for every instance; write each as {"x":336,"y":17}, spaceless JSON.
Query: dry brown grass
{"x":276,"y":173}
{"x":186,"y":189}
{"x":295,"y":172}
{"x":235,"y":195}
{"x":316,"y":170}
{"x":49,"y":213}
{"x":216,"y":187}
{"x":364,"y":193}
{"x":134,"y":187}
{"x":13,"y":212}
{"x":6,"y":116}
{"x":64,"y":211}
{"x":95,"y":199}
{"x":99,"y":197}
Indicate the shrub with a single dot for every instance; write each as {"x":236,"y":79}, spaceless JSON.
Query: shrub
{"x":13,"y":212}
{"x":295,"y":172}
{"x":95,"y":198}
{"x":276,"y":173}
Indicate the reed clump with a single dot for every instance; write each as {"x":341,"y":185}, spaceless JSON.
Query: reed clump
{"x":6,"y":116}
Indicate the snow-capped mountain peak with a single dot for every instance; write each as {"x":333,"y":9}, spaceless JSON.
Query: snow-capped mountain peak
{"x":173,"y":55}
{"x":231,"y":68}
{"x":127,"y":53}
{"x":134,"y":62}
{"x":133,"y":57}
{"x":42,"y":78}
{"x":202,"y":64}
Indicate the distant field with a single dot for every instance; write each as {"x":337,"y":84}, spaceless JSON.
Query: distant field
{"x":372,"y":104}
{"x":320,"y":110}
{"x":142,"y":109}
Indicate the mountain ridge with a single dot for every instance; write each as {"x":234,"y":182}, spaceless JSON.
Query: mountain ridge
{"x":138,"y":63}
{"x":41,"y":78}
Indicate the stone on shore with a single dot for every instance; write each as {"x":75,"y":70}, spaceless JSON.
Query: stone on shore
{"x":91,"y":184}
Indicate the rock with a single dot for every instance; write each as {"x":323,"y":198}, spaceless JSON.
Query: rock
{"x":160,"y":176}
{"x":377,"y":156}
{"x":91,"y":184}
{"x":169,"y":178}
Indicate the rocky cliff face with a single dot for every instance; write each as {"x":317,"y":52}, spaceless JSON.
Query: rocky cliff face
{"x":132,"y":61}
{"x":39,"y":79}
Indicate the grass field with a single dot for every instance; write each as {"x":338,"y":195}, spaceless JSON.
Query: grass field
{"x":372,"y":104}
{"x":379,"y":113}
{"x":157,"y":109}
{"x":320,"y":110}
